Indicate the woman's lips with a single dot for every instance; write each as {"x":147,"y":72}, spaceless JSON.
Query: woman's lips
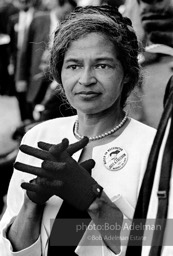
{"x":88,"y":95}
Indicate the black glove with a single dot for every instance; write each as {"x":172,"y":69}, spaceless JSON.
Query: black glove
{"x":61,"y":175}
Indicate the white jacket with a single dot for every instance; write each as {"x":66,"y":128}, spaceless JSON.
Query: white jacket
{"x":122,"y":186}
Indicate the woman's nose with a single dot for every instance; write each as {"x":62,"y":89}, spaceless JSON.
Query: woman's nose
{"x":87,"y":77}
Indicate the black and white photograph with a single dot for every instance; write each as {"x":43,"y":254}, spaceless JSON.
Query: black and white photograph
{"x":86,"y":127}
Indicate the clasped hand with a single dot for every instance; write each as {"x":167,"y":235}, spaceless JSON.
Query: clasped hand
{"x":60,"y":174}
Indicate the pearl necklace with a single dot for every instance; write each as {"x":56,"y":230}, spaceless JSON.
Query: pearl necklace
{"x":101,"y":136}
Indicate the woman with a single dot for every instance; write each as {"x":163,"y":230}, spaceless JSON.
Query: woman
{"x":94,"y":58}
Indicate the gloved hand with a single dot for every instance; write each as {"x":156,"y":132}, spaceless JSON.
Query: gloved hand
{"x":42,"y":194}
{"x":61,"y":175}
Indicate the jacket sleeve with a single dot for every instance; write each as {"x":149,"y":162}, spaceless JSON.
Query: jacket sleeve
{"x":92,"y":243}
{"x":15,"y":198}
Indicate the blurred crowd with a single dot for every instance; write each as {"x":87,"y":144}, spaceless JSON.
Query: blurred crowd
{"x":26,"y":31}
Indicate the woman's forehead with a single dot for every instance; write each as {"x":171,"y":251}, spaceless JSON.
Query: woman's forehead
{"x":92,"y":38}
{"x":96,"y":45}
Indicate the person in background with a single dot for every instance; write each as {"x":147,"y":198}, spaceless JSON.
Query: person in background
{"x":100,"y":2}
{"x":131,"y":10}
{"x":88,"y":2}
{"x":157,"y":58}
{"x":94,"y":58}
{"x":18,"y":27}
{"x":7,"y":9}
{"x":113,"y":2}
{"x":30,"y":78}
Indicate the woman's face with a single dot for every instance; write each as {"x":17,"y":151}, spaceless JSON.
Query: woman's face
{"x":92,"y":76}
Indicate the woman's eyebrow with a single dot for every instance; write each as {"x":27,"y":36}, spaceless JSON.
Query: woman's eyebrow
{"x":76,"y":60}
{"x":105,"y":58}
{"x":97,"y":59}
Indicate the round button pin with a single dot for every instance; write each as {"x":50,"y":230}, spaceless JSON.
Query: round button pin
{"x":115,"y":158}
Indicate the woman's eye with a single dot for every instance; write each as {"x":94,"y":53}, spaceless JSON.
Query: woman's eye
{"x":102,"y":66}
{"x":73,"y":67}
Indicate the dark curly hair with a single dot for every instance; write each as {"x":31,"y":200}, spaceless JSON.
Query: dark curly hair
{"x":103,"y":19}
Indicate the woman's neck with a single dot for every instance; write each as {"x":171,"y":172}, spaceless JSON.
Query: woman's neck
{"x":96,"y":124}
